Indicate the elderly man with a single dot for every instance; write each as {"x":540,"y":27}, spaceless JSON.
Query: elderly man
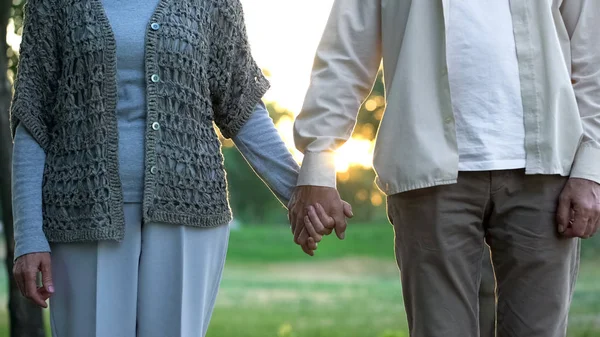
{"x":492,"y":130}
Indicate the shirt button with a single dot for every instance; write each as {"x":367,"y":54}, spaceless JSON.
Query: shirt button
{"x":155,"y":78}
{"x":153,"y":170}
{"x":155,"y":126}
{"x":155,"y":26}
{"x":448,"y":120}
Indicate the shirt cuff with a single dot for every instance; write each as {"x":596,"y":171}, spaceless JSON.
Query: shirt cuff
{"x":318,"y":169}
{"x":586,"y":165}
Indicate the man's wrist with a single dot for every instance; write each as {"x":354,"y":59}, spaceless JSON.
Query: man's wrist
{"x":586,"y":165}
{"x":318,"y":169}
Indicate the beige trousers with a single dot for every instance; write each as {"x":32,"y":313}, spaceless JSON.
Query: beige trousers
{"x":440,"y":235}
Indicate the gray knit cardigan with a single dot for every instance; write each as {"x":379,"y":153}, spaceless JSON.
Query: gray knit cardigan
{"x":199,"y":70}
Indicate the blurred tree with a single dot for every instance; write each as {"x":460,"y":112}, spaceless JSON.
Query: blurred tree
{"x":16,"y":15}
{"x":277,"y":112}
{"x":251,"y":201}
{"x":371,"y":112}
{"x":26,"y":319}
{"x":357,"y":185}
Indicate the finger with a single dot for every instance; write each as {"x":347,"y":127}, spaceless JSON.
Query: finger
{"x":307,"y":251}
{"x":321,"y":224}
{"x":340,"y":225}
{"x":43,"y":293}
{"x":589,"y":231}
{"x":299,"y":214}
{"x":563,"y":213}
{"x":31,"y":289}
{"x":308,"y":225}
{"x":304,"y":238}
{"x":328,"y":222}
{"x":569,"y":231}
{"x":301,"y":235}
{"x":580,"y":222}
{"x":298,"y":226}
{"x":298,"y":230}
{"x":347,"y":210}
{"x":312,"y":244}
{"x":46,"y":269}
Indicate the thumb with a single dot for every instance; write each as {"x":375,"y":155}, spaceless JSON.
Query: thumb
{"x":563,"y":213}
{"x":46,"y":269}
{"x":347,"y":209}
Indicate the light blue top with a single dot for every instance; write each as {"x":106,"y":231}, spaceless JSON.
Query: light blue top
{"x":258,"y":140}
{"x":129,"y":22}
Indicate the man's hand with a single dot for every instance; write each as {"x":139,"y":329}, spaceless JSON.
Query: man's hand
{"x":25,"y":272}
{"x":300,"y":204}
{"x":317,"y":211}
{"x":578,"y":213}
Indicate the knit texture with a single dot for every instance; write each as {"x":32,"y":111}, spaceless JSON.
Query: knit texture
{"x":199,"y":70}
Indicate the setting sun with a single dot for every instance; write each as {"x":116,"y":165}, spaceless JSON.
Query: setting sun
{"x":355,"y":152}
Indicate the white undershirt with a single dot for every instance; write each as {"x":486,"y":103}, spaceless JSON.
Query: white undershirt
{"x":485,"y":85}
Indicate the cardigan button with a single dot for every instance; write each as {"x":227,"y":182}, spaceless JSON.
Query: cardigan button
{"x":155,"y":78}
{"x":153,"y":170}
{"x":155,"y":26}
{"x":155,"y":126}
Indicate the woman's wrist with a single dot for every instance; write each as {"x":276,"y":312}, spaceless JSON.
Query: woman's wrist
{"x":30,"y":245}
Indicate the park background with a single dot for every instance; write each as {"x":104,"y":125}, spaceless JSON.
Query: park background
{"x":269,"y":288}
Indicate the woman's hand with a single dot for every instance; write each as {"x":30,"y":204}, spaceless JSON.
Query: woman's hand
{"x":318,"y":217}
{"x":25,"y":272}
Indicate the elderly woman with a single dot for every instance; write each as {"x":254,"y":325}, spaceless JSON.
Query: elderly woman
{"x":117,"y":167}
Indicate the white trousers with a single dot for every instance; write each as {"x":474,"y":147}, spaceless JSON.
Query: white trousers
{"x":160,"y":281}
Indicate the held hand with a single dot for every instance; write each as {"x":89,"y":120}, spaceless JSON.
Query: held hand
{"x":317,"y":213}
{"x":578,"y":213}
{"x":317,"y":217}
{"x":329,"y":199}
{"x":25,"y":272}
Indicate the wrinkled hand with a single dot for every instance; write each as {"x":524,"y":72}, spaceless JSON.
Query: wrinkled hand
{"x":315,"y":211}
{"x":25,"y":272}
{"x":578,"y":213}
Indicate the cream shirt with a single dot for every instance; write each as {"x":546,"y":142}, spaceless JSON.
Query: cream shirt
{"x":558,"y":53}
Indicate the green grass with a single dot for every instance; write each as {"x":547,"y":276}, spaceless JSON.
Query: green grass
{"x":275,"y":244}
{"x":350,"y":288}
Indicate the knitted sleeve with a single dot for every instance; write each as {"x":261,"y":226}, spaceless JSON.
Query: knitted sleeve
{"x":238,"y":83}
{"x":37,"y":75}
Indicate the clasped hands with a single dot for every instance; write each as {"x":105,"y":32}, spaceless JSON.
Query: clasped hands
{"x":316,"y":211}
